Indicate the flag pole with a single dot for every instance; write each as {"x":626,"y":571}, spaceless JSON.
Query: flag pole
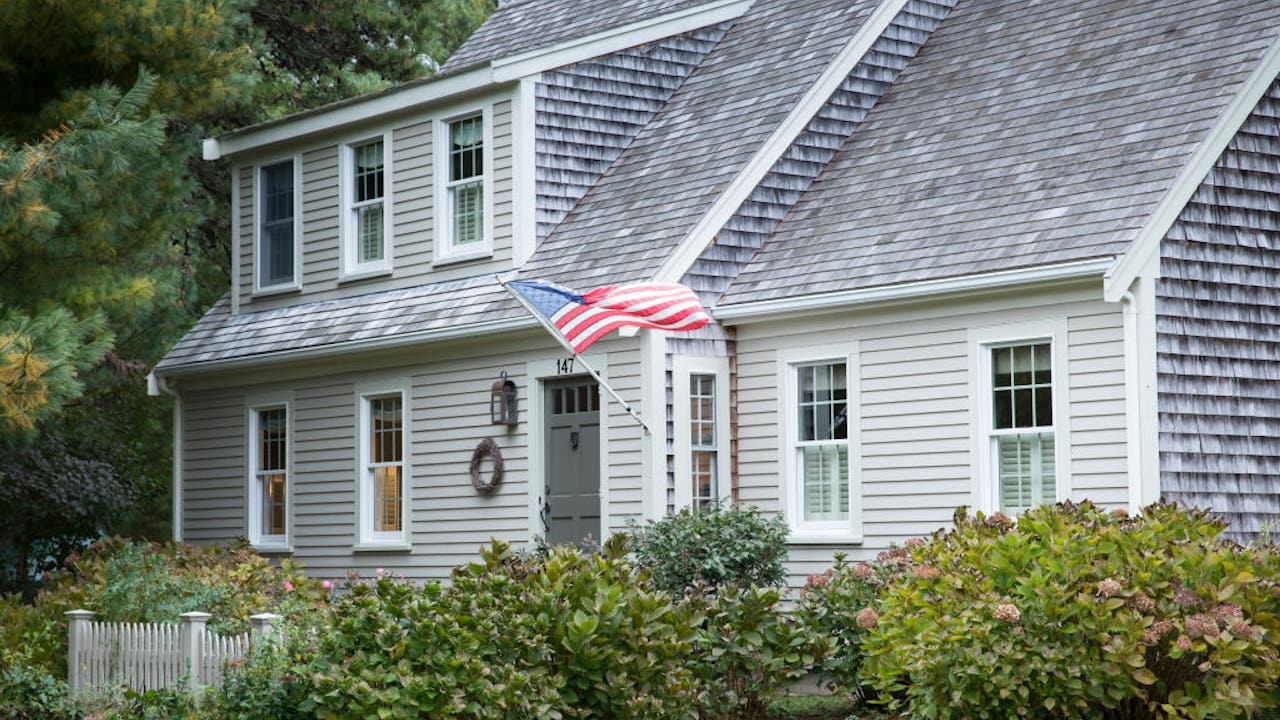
{"x":565,"y":344}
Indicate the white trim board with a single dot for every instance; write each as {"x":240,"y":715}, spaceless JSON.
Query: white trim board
{"x":1127,"y":267}
{"x":740,"y":188}
{"x":808,"y":304}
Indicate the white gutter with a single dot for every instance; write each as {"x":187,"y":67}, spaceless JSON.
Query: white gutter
{"x":322,"y":351}
{"x":155,"y":386}
{"x":765,"y":309}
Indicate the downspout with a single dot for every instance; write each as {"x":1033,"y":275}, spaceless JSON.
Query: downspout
{"x":156,"y":385}
{"x":1132,"y":400}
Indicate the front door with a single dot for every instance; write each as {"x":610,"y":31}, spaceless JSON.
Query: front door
{"x":572,"y":417}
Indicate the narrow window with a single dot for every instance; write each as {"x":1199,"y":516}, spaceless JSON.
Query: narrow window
{"x":276,"y":228}
{"x":367,"y":211}
{"x":384,"y":471}
{"x":822,"y":448}
{"x":702,"y":441}
{"x":269,"y":503}
{"x":1022,"y":432}
{"x":466,"y":183}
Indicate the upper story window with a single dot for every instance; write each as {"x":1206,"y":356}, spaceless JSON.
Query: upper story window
{"x":277,"y":226}
{"x":464,"y":224}
{"x":1022,"y":430}
{"x":269,"y":477}
{"x":366,"y":228}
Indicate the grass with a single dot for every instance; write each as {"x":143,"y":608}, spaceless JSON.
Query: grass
{"x":812,"y":707}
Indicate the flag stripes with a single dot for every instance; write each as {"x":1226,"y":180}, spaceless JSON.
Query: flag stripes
{"x":584,"y":319}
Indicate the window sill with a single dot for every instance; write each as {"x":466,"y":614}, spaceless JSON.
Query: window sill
{"x":385,"y":547}
{"x":459,"y":258}
{"x":276,"y":290}
{"x":272,"y":548}
{"x":362,"y":275}
{"x":824,"y":539}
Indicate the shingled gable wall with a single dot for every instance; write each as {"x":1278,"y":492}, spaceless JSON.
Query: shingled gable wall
{"x":588,"y":112}
{"x":1218,"y":334}
{"x":802,"y":162}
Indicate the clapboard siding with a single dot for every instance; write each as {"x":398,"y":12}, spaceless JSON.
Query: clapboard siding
{"x":915,"y":417}
{"x":813,"y":149}
{"x":412,"y":223}
{"x":1218,"y":334}
{"x":448,"y":400}
{"x":588,"y":112}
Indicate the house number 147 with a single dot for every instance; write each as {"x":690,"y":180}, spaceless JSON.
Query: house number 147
{"x":564,"y":366}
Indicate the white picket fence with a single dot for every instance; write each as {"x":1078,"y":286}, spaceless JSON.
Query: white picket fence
{"x":149,"y":656}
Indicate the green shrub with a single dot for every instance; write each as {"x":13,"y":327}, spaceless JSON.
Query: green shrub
{"x":565,"y":635}
{"x":830,"y":603}
{"x":271,"y":683}
{"x":1074,"y":612}
{"x":750,"y":648}
{"x":31,"y":693}
{"x":717,"y":546}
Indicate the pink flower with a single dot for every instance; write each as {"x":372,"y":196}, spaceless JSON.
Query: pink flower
{"x":1008,"y":613}
{"x":380,"y":571}
{"x":1241,"y":629}
{"x":288,"y":586}
{"x":861,"y":571}
{"x":1183,"y":642}
{"x":326,"y":584}
{"x":818,"y":580}
{"x":867,"y":618}
{"x":1108,"y":587}
{"x":914,"y":543}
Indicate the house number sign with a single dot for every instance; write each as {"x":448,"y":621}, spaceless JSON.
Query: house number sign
{"x":564,"y":366}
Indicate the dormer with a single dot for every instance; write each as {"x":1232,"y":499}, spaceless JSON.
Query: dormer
{"x":459,"y":175}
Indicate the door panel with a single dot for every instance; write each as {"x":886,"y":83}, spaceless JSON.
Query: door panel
{"x":572,"y":421}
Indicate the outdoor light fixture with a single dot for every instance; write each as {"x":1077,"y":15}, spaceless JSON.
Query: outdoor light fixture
{"x":502,"y":402}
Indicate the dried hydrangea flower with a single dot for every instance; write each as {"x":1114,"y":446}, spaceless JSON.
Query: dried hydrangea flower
{"x":1241,"y":629}
{"x":1201,"y":625}
{"x":867,"y":618}
{"x":1183,"y":643}
{"x":1141,"y":602}
{"x":927,"y":572}
{"x":1108,"y":587}
{"x":1226,"y":612}
{"x":1120,"y":513}
{"x":1186,"y":597}
{"x":1007,"y":613}
{"x":861,"y":571}
{"x":914,"y":543}
{"x":999,"y":520}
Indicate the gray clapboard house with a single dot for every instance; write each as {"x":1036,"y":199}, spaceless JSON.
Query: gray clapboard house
{"x":959,"y":252}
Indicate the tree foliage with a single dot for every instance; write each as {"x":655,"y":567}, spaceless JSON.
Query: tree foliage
{"x":114,"y":234}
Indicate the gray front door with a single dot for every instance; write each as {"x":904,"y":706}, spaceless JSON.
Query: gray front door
{"x":572,"y":418}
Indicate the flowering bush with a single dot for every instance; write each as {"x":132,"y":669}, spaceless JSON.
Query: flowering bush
{"x":713,"y":547}
{"x":1075,"y":612}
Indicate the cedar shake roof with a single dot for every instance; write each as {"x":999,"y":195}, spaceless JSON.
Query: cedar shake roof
{"x":1022,"y":134}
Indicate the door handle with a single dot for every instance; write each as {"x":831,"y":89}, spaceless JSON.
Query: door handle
{"x":573,"y":440}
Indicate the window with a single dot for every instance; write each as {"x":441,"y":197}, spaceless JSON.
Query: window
{"x":382,"y":458}
{"x":818,"y":396}
{"x":701,"y":408}
{"x":463,"y":157}
{"x":269,"y":476}
{"x":702,"y":440}
{"x":367,"y":246}
{"x":276,"y":225}
{"x":1021,"y":432}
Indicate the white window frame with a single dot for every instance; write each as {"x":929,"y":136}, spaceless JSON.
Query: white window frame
{"x":296,"y":282}
{"x":683,"y":369}
{"x":983,"y":435}
{"x":352,"y":268}
{"x":253,"y":505}
{"x":445,"y":252}
{"x":789,"y":361}
{"x":366,"y":537}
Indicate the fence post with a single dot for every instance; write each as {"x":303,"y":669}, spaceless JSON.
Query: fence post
{"x":77,"y":624}
{"x":263,"y":626}
{"x":192,"y":643}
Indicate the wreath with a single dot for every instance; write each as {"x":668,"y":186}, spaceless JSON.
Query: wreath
{"x":486,"y":449}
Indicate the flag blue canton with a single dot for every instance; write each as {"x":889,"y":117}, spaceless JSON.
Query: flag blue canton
{"x":546,"y":297}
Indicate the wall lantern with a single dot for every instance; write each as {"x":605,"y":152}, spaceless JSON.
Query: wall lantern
{"x":502,"y":402}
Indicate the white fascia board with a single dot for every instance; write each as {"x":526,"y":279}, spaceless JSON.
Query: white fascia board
{"x":679,"y":262}
{"x":620,"y":38}
{"x":806,"y":304}
{"x":322,"y":351}
{"x":1127,"y":267}
{"x":350,"y":113}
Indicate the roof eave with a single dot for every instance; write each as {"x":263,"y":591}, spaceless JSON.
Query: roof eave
{"x":764,"y":310}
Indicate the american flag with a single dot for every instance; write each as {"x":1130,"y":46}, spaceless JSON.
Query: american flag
{"x":584,"y":319}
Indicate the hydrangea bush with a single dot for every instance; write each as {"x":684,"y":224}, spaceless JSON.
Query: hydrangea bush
{"x":1076,"y":612}
{"x":721,"y":545}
